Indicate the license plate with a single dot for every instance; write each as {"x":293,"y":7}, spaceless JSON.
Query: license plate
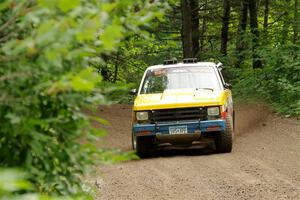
{"x":173,"y":130}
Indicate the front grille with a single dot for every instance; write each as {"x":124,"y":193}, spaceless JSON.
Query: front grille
{"x":178,"y":114}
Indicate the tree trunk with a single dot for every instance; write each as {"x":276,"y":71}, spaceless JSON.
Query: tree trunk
{"x":103,"y":69}
{"x":203,"y":28}
{"x":258,"y":2}
{"x":240,"y":46}
{"x":225,"y":26}
{"x":195,"y":27}
{"x":296,"y":25}
{"x":265,"y":38}
{"x":266,"y":15}
{"x":255,"y":33}
{"x":286,"y":22}
{"x":186,"y":30}
{"x":116,"y":69}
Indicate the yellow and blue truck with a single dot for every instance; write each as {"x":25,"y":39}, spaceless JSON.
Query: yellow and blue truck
{"x":182,"y":104}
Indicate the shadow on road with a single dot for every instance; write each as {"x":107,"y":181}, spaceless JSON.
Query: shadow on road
{"x":173,"y":151}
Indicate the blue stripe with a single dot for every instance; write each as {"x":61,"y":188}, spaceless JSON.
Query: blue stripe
{"x":192,"y":126}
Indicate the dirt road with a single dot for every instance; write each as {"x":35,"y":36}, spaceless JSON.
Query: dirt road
{"x":264,"y":164}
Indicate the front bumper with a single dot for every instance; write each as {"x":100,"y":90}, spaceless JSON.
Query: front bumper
{"x":192,"y":127}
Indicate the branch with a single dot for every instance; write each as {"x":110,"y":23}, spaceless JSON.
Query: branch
{"x":13,"y":75}
{"x":6,"y":37}
{"x":13,"y":18}
{"x":8,"y":58}
{"x":9,"y":22}
{"x":276,"y":20}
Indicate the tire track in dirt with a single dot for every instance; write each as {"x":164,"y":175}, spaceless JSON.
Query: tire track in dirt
{"x":264,"y":163}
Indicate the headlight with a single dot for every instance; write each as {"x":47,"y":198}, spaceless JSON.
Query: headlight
{"x":213,"y":111}
{"x":142,"y":116}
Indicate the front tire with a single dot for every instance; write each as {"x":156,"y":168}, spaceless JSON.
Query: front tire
{"x":142,"y":145}
{"x":223,"y":140}
{"x":133,"y":141}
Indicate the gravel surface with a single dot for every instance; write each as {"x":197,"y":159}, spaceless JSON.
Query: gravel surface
{"x":264,"y":163}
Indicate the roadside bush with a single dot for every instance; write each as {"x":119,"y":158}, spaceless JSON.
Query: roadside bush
{"x":13,"y":181}
{"x":278,"y":82}
{"x":14,"y":185}
{"x":47,"y":49}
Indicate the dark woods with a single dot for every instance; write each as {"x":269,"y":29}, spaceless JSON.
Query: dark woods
{"x":234,"y":17}
{"x":257,"y":40}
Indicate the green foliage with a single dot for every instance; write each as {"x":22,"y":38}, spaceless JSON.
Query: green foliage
{"x":278,"y":82}
{"x":118,"y":92}
{"x":12,"y":180}
{"x":112,"y":156}
{"x":14,"y":185}
{"x":47,"y":49}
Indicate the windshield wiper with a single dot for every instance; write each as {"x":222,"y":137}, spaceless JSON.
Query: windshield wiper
{"x":205,"y":89}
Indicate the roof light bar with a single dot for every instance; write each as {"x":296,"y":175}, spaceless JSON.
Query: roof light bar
{"x":190,"y":60}
{"x":170,"y":62}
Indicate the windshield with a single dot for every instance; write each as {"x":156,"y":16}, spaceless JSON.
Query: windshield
{"x":199,"y":78}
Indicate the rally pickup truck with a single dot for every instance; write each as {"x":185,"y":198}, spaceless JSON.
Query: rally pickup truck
{"x":182,"y":104}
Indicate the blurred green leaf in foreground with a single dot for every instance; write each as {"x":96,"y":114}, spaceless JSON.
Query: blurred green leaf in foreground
{"x":46,"y":80}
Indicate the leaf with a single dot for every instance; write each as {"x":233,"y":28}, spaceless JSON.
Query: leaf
{"x":100,"y":120}
{"x":98,"y":132}
{"x":12,"y":180}
{"x":108,"y":7}
{"x":67,"y":5}
{"x":88,"y":30}
{"x":4,"y":5}
{"x":47,"y":3}
{"x":111,"y":36}
{"x":79,"y":84}
{"x":85,"y":80}
{"x":112,"y":156}
{"x":14,"y":119}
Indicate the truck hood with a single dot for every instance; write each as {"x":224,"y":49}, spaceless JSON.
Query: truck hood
{"x":179,"y":99}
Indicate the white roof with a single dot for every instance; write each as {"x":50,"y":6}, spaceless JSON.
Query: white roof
{"x":182,"y":65}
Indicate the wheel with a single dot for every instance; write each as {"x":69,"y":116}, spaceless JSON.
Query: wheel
{"x":142,"y":145}
{"x":233,"y":119}
{"x":133,"y":141}
{"x":223,"y":140}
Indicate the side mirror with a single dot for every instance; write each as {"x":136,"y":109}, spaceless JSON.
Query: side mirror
{"x":220,"y":66}
{"x":228,"y":86}
{"x":133,"y":91}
